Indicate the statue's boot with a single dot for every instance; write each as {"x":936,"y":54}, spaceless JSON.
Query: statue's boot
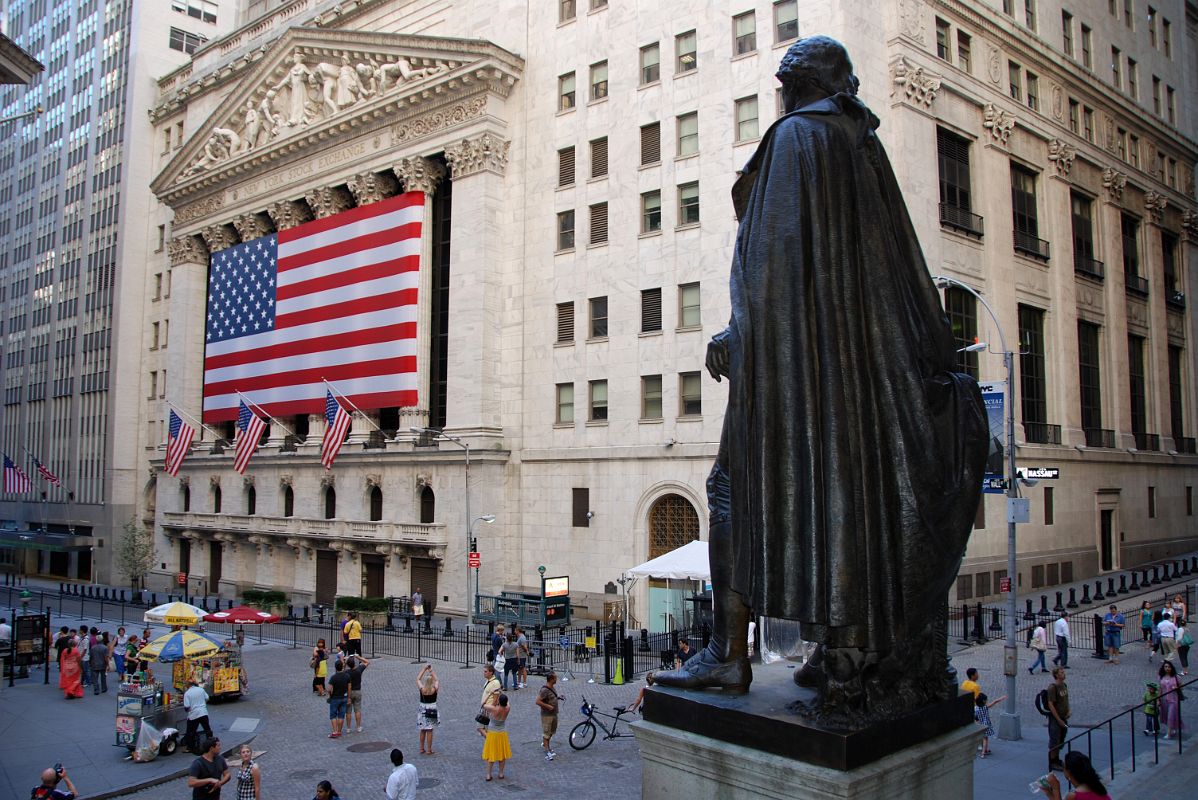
{"x":811,"y":674}
{"x":724,"y":663}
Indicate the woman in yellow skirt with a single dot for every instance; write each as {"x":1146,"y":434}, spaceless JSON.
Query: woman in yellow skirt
{"x":496,"y":748}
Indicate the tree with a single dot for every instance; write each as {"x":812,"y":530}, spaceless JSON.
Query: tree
{"x":135,"y":553}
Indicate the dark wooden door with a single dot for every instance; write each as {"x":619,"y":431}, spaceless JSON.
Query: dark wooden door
{"x":215,"y":557}
{"x":1108,"y":544}
{"x":372,"y":575}
{"x":424,"y":578}
{"x":326,"y":577}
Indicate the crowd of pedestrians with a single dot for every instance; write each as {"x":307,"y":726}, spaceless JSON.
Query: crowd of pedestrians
{"x":86,"y":656}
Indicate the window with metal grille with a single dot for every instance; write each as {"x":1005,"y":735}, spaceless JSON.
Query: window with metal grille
{"x":1089,"y":374}
{"x":565,"y":92}
{"x":673,"y":523}
{"x":599,"y":223}
{"x":964,"y":587}
{"x":1176,"y":405}
{"x":744,"y":33}
{"x":565,"y":230}
{"x":1024,"y":216}
{"x":650,"y":63}
{"x":688,"y":204}
{"x":1033,"y":390}
{"x":1138,"y":384}
{"x":786,"y":20}
{"x":690,"y":394}
{"x":565,"y":166}
{"x":689,"y":313}
{"x":686,"y":48}
{"x":650,"y":212}
{"x":1173,"y":284}
{"x":598,"y":307}
{"x":651,"y":143}
{"x":953,"y":155}
{"x":1130,"y":236}
{"x":599,"y":158}
{"x":650,"y":397}
{"x":580,"y":502}
{"x":746,"y":119}
{"x":650,"y":310}
{"x":565,"y":322}
{"x":688,"y":134}
{"x":565,"y":404}
{"x":598,"y":81}
{"x":598,"y":401}
{"x":962,"y":310}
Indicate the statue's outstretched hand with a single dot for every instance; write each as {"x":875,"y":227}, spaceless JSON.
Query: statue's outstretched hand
{"x":717,"y":359}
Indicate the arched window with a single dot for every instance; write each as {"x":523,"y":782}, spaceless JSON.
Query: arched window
{"x":251,"y":500}
{"x":376,"y":504}
{"x":428,"y":505}
{"x":672,"y":523}
{"x":288,"y":502}
{"x":215,"y":499}
{"x":185,"y":491}
{"x":330,"y":502}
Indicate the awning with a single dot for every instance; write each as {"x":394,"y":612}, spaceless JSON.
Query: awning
{"x":39,"y":540}
{"x":688,"y":562}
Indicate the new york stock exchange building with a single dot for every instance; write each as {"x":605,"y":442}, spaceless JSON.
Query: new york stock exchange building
{"x":545,"y":189}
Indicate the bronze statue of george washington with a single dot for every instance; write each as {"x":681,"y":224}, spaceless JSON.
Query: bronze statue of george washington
{"x":851,"y":460}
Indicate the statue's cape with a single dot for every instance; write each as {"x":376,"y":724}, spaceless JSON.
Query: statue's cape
{"x":855,"y":450}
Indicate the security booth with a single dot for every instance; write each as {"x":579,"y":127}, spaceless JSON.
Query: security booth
{"x":549,"y":609}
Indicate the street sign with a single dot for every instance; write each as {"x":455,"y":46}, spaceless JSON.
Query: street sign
{"x":182,"y":578}
{"x":1039,"y":473}
{"x":1004,"y":585}
{"x":474,"y":560}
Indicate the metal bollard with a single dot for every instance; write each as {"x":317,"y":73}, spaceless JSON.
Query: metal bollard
{"x":1123,"y":584}
{"x":1072,"y":598}
{"x":1110,"y":587}
{"x":1059,"y":607}
{"x":1043,"y":612}
{"x":1085,"y":601}
{"x":1099,"y":650}
{"x":978,"y":630}
{"x":1098,"y":595}
{"x":1028,"y":616}
{"x":995,"y":625}
{"x":1176,"y":572}
{"x":1185,"y":568}
{"x":1156,"y":575}
{"x":448,"y":632}
{"x":407,"y":623}
{"x":1135,"y":581}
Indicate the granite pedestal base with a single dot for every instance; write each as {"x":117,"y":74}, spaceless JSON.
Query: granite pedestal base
{"x":677,"y":763}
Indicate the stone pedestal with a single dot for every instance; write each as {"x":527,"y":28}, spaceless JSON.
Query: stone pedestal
{"x":676,"y":764}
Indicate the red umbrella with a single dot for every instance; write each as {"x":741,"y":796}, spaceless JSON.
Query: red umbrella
{"x":242,"y":615}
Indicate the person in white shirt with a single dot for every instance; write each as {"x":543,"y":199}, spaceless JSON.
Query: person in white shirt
{"x":195,"y":700}
{"x":1060,"y":629}
{"x":401,"y":784}
{"x":1167,"y":630}
{"x":1038,"y":643}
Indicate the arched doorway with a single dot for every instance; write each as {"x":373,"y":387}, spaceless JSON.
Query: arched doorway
{"x":428,"y":506}
{"x":330,"y":502}
{"x":376,"y":504}
{"x":673,"y":522}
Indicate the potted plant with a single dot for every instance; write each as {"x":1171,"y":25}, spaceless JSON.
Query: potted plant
{"x":271,"y":600}
{"x":371,"y":610}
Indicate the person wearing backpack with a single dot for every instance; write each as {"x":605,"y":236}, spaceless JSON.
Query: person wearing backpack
{"x":51,"y":778}
{"x":1057,"y":701}
{"x":1038,"y":643}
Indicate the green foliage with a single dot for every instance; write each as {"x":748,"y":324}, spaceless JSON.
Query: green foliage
{"x":135,"y":552}
{"x":263,"y":598}
{"x":362,"y":604}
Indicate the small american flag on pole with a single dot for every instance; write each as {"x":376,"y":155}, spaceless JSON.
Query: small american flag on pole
{"x":180,"y":436}
{"x":250,"y":427}
{"x":15,"y":480}
{"x":338,"y":423}
{"x":334,"y":298}
{"x":49,"y":476}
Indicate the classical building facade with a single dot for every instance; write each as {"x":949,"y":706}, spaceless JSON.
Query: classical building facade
{"x":576,"y":169}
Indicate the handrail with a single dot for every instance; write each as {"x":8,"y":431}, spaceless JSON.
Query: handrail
{"x":1110,"y":726}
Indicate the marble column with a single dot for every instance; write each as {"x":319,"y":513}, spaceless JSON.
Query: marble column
{"x":187,"y":309}
{"x":1156,"y":335}
{"x":1116,"y":388}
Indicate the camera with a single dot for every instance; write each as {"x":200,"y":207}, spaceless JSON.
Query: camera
{"x":58,"y":771}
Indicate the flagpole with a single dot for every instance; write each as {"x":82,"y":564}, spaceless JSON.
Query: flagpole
{"x":338,"y":393}
{"x":185,"y":415}
{"x":255,"y":407}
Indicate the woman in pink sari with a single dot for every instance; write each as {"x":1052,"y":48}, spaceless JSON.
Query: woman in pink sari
{"x":71,"y":671}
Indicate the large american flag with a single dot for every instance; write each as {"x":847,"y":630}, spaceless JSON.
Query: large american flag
{"x":46,"y":474}
{"x":331,"y":299}
{"x":180,"y":434}
{"x":338,"y":420}
{"x":249,"y":433}
{"x":15,"y":480}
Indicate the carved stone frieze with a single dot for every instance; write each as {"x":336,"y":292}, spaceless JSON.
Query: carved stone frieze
{"x":373,"y":481}
{"x":1189,"y":225}
{"x":911,"y":16}
{"x":999,"y":122}
{"x":1058,"y":102}
{"x":1137,"y":313}
{"x":1088,"y":297}
{"x":214,"y":481}
{"x":1154,"y":206}
{"x":289,"y":213}
{"x":326,"y":201}
{"x":219,"y":237}
{"x":187,"y":250}
{"x":247,"y":481}
{"x":1175,"y":324}
{"x":286,"y":480}
{"x":200,"y":208}
{"x":423,"y":480}
{"x":222,"y":144}
{"x":184,"y":480}
{"x":434,"y":121}
{"x":328,"y":479}
{"x":371,"y":187}
{"x":1187,"y":181}
{"x":994,"y":65}
{"x":915,"y":83}
{"x":1061,"y":155}
{"x":250,"y":226}
{"x":1114,"y":182}
{"x":419,"y":174}
{"x":469,"y":156}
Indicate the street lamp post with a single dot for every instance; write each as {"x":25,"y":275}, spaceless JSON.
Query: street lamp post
{"x":440,"y":436}
{"x":472,"y":547}
{"x":1008,"y":721}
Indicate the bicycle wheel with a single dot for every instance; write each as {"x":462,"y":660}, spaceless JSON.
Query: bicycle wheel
{"x":582,"y":735}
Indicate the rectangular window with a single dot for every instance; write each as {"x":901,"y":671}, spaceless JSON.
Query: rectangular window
{"x":943,"y":40}
{"x":153,"y":385}
{"x":1152,"y":26}
{"x":565,"y":404}
{"x":566,"y":10}
{"x":204,"y":10}
{"x":599,"y":223}
{"x":1024,"y":214}
{"x":1171,"y":174}
{"x":1067,"y":33}
{"x":1083,"y":231}
{"x":1029,"y":13}
{"x":651,"y":212}
{"x":650,"y":310}
{"x":1156,"y":95}
{"x":744,"y":33}
{"x":746,"y":119}
{"x":651,"y":143}
{"x":1176,"y":404}
{"x":154,"y":328}
{"x":689,"y":315}
{"x":1033,"y":388}
{"x":1033,"y":92}
{"x":1133,"y":78}
{"x":1088,"y":123}
{"x":1151,"y":502}
{"x":598,"y":326}
{"x":184,"y":41}
{"x":1116,"y":68}
{"x":1173,"y":284}
{"x":1138,"y":384}
{"x":1167,"y":37}
{"x":686,"y":51}
{"x":961,"y":308}
{"x":580,"y":502}
{"x":597,"y":5}
{"x":565,"y":322}
{"x":690,"y":394}
{"x":1048,"y":506}
{"x":650,"y":63}
{"x":651,"y":397}
{"x":1170,"y":106}
{"x":1089,"y":376}
{"x":1133,"y":150}
{"x":598,"y":401}
{"x":158,"y":286}
{"x":786,"y":20}
{"x":565,"y":230}
{"x":688,"y":134}
{"x":955,"y":193}
{"x":1121,"y":143}
{"x":964,"y":587}
{"x":1128,"y":17}
{"x":1015,"y":81}
{"x":1189,"y":501}
{"x":166,"y":141}
{"x":964,"y":51}
{"x":1087,"y":48}
{"x":1130,"y":236}
{"x":565,"y":166}
{"x":565,"y":92}
{"x":161,"y":239}
{"x":598,"y":81}
{"x":1074,"y":116}
{"x":688,"y":204}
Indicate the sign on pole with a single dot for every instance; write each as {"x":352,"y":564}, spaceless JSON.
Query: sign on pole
{"x":474,"y":560}
{"x":994,"y":396}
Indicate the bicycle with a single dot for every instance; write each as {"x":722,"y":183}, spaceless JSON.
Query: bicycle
{"x":582,"y":734}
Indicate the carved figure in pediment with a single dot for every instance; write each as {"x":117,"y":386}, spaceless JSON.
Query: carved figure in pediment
{"x":369,"y":76}
{"x":221,"y":145}
{"x":297,"y":80}
{"x":271,"y":117}
{"x":402,"y":70}
{"x":349,"y":86}
{"x":252,"y":129}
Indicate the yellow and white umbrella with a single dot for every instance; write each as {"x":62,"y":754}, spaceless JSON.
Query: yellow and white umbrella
{"x":178,"y":645}
{"x":175,"y":614}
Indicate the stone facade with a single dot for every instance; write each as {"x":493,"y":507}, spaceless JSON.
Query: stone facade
{"x":314,"y":108}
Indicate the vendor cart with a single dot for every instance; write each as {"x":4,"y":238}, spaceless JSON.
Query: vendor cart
{"x":221,"y":674}
{"x":139,"y":702}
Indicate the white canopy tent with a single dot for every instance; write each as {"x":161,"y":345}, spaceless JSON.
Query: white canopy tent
{"x":689,"y":562}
